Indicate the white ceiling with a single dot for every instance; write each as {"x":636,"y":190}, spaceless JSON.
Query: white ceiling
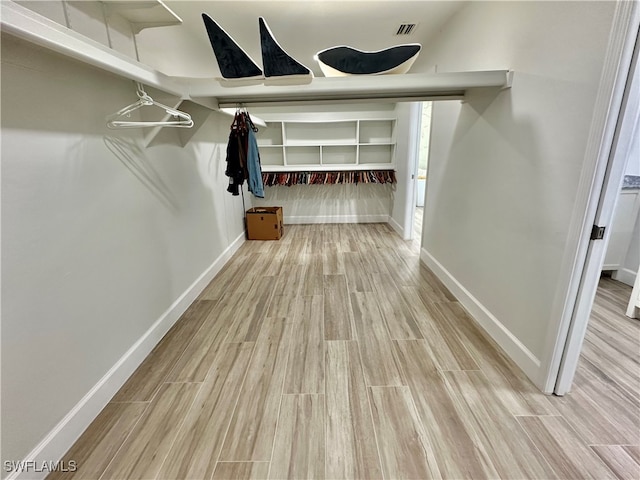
{"x":301,"y":27}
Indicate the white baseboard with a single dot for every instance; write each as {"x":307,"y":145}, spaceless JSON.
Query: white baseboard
{"x":625,"y":276}
{"x":304,"y":219}
{"x":396,"y":226}
{"x":58,"y":441}
{"x":520,"y":354}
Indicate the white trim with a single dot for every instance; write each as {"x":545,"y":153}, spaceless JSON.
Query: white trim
{"x":58,"y":441}
{"x":625,"y":275}
{"x":520,"y":354}
{"x":303,"y":219}
{"x":413,"y":153}
{"x":572,"y":306}
{"x":396,"y":226}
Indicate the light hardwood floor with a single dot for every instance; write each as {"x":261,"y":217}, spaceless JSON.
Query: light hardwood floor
{"x":333,"y":353}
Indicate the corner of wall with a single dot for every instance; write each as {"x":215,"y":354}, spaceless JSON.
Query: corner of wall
{"x":58,"y":441}
{"x":399,"y":229}
{"x":515,"y":349}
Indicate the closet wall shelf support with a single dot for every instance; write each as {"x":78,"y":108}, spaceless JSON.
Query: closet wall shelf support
{"x":143,"y":14}
{"x":34,"y":28}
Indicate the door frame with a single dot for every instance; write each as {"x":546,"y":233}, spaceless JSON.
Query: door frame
{"x":413,"y":147}
{"x":615,"y":142}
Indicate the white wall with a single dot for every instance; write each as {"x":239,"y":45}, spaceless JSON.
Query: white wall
{"x":100,"y":236}
{"x":504,"y":166}
{"x":631,"y":263}
{"x":623,"y":248}
{"x":91,"y":18}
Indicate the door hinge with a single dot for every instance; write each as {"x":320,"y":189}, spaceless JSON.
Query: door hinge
{"x":597,"y":233}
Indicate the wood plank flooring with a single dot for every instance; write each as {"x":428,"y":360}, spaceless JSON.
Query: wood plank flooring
{"x":333,"y":353}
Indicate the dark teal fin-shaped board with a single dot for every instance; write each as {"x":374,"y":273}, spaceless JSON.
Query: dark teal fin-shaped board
{"x":275,"y":61}
{"x":233,"y":61}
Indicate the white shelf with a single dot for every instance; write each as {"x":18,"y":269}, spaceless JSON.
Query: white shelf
{"x":39,"y":30}
{"x":338,"y":155}
{"x":271,"y":135}
{"x":302,"y":155}
{"x":381,"y":143}
{"x":338,"y":144}
{"x":143,"y":14}
{"x":374,"y":154}
{"x":320,"y":133}
{"x":406,"y":87}
{"x":375,"y":132}
{"x":271,"y":157}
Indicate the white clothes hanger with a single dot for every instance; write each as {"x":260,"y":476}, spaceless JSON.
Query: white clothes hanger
{"x":174,"y":118}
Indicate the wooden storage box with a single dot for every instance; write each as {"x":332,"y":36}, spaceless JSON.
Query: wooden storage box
{"x":264,"y":223}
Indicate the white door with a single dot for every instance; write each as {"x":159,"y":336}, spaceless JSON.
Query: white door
{"x":625,"y":128}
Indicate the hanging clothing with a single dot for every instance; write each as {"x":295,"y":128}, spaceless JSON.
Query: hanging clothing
{"x":236,"y":162}
{"x":253,"y":166}
{"x":243,"y":158}
{"x":272,"y":179}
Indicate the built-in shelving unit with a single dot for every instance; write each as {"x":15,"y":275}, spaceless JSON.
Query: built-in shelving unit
{"x":356,"y":144}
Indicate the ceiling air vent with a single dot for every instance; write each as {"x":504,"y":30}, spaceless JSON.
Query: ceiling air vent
{"x":406,"y":28}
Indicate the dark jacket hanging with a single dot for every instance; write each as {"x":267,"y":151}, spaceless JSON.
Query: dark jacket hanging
{"x":236,"y":156}
{"x":238,"y":150}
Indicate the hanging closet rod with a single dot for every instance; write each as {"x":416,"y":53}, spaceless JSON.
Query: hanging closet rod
{"x":273,"y":179}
